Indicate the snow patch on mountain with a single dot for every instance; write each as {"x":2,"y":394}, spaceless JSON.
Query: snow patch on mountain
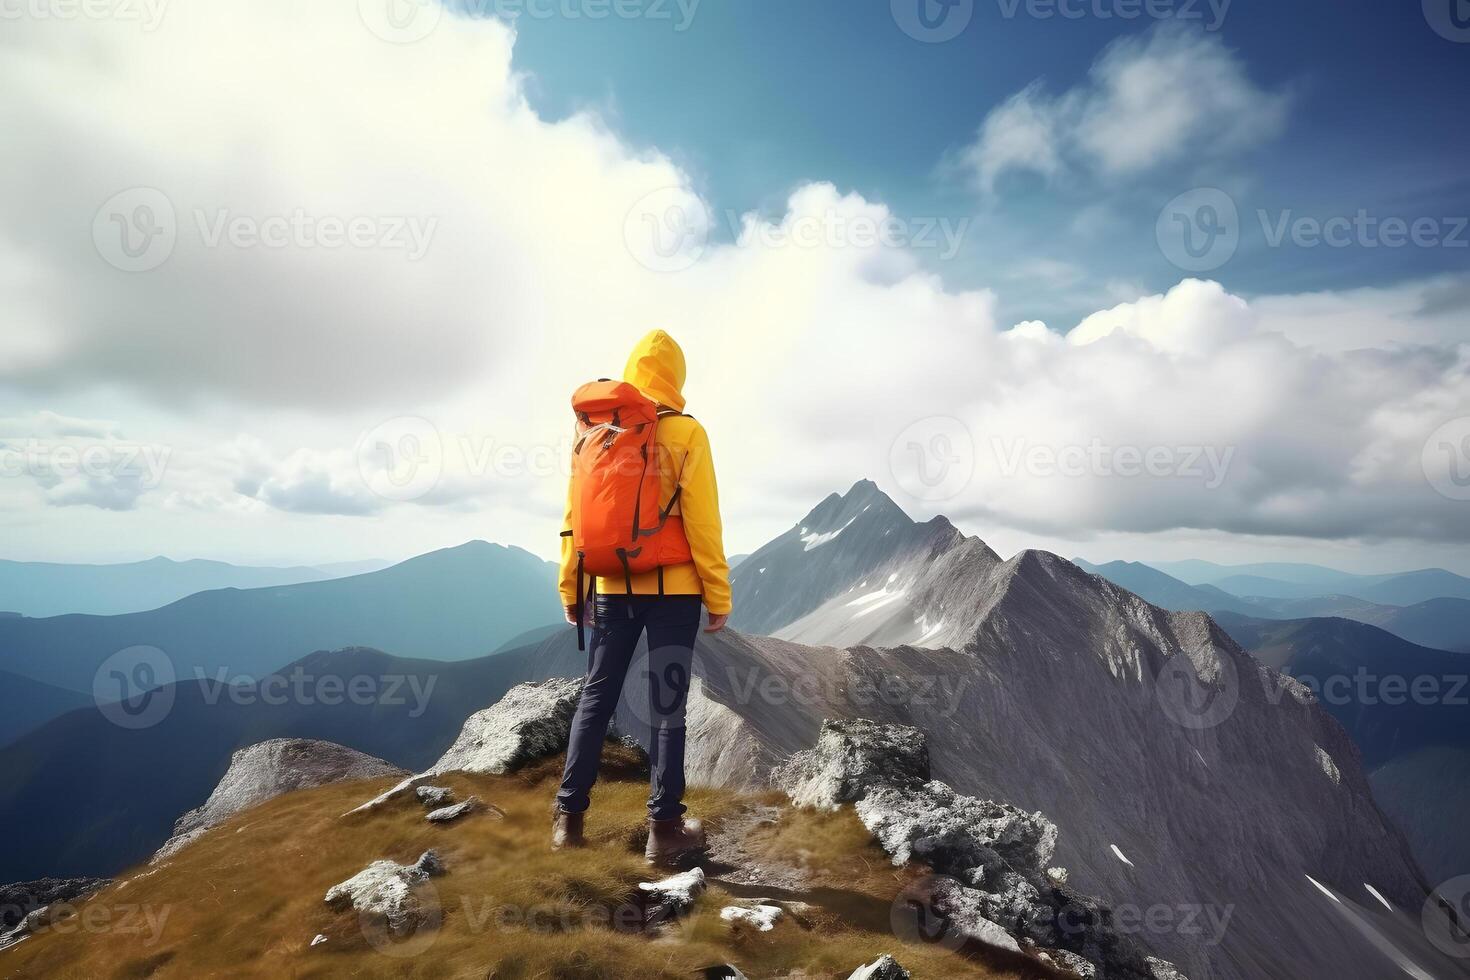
{"x":1329,"y":768}
{"x":814,"y":539}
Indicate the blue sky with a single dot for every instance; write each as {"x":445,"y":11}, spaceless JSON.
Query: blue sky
{"x":174,"y":292}
{"x":756,"y":98}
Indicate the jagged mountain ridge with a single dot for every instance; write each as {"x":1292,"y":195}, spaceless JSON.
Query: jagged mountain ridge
{"x":1054,"y":704}
{"x":1029,"y":623}
{"x":857,"y":569}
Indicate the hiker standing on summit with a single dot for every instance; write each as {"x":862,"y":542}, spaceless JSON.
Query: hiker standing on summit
{"x":643,"y":539}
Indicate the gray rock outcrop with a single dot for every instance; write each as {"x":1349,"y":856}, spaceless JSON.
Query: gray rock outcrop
{"x":851,"y":757}
{"x":671,"y":897}
{"x":1162,"y":970}
{"x":951,"y":831}
{"x":451,"y":813}
{"x":23,"y":897}
{"x":759,"y":916}
{"x":29,"y":906}
{"x":269,"y":769}
{"x":391,"y":892}
{"x":992,"y":884}
{"x":435,"y":796}
{"x":31,"y":922}
{"x":532,"y":721}
{"x":884,"y":967}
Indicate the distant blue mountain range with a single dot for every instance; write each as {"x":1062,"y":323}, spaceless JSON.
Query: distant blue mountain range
{"x":1283,"y":580}
{"x":1434,"y":610}
{"x":452,"y":604}
{"x":35,"y":588}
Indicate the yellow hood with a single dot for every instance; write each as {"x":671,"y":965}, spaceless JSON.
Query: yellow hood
{"x":656,"y":368}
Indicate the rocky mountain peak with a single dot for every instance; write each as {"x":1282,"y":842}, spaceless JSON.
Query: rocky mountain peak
{"x":268,"y":769}
{"x":863,"y":498}
{"x":851,"y":545}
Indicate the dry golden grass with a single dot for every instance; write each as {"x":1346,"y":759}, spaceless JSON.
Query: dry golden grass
{"x":247,"y":898}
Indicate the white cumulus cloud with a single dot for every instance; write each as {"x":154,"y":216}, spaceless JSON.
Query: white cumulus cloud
{"x":1150,"y":101}
{"x":809,"y":353}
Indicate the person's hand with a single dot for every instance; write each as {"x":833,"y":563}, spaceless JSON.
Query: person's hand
{"x":716,"y":622}
{"x":571,"y":612}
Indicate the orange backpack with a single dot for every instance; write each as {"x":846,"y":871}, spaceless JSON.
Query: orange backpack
{"x":618,"y":525}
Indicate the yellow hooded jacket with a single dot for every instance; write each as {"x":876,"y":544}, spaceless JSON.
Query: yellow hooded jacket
{"x":656,"y":368}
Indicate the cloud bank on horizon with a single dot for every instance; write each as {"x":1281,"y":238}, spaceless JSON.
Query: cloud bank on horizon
{"x":377,"y":251}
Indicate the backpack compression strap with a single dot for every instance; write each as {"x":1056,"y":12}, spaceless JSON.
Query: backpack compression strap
{"x":663,"y":515}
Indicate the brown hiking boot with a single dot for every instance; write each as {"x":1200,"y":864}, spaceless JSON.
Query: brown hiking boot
{"x":671,"y":841}
{"x":566,"y":830}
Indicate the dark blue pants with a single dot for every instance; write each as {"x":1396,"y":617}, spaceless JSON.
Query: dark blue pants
{"x":672,"y":623}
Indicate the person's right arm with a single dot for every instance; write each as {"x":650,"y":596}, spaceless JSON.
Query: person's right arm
{"x":699,"y":505}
